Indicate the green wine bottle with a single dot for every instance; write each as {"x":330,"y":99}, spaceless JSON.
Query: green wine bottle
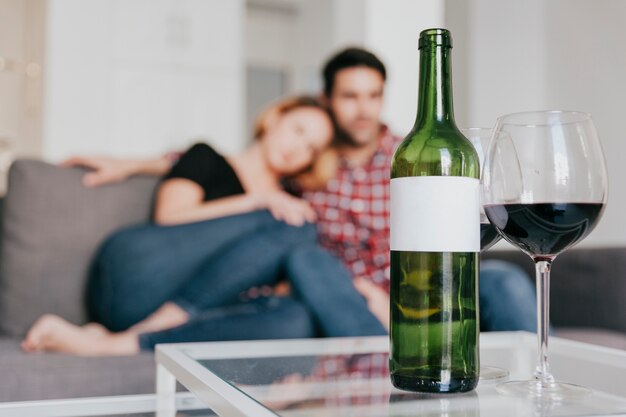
{"x":435,"y":239}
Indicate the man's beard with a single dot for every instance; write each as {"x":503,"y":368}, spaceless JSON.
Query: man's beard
{"x":344,"y":139}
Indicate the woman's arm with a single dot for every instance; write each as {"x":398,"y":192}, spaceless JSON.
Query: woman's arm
{"x":182,"y":201}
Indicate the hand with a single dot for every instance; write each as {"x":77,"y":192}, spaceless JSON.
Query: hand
{"x":282,"y":289}
{"x":283,"y":206}
{"x":105,"y":170}
{"x":377,"y":299}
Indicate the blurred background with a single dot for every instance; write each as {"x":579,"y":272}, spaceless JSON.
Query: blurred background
{"x":143,"y":77}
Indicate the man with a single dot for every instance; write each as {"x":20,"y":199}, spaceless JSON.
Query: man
{"x":353,"y":208}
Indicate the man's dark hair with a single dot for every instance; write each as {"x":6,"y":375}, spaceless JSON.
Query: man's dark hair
{"x":350,"y":58}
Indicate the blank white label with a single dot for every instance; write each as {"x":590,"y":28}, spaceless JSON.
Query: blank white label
{"x":435,"y":214}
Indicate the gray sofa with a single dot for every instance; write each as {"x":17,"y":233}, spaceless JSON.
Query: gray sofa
{"x":52,"y":226}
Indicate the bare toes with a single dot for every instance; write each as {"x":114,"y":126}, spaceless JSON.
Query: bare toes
{"x":34,"y":338}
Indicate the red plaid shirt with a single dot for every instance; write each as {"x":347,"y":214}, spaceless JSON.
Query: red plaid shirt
{"x":353,"y":214}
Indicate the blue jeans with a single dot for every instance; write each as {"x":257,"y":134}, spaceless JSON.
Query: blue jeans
{"x":507,"y":298}
{"x":140,"y":268}
{"x":325,"y":302}
{"x":321,"y":287}
{"x":262,"y":318}
{"x":203,"y":267}
{"x":325,"y":286}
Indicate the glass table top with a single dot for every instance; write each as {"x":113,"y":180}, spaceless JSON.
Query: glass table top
{"x":350,"y":377}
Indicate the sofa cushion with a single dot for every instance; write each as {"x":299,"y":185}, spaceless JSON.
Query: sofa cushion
{"x":42,"y":376}
{"x":587,"y":286}
{"x":52,"y":226}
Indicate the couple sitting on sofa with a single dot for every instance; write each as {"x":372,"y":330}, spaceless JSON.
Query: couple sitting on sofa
{"x":225,"y":227}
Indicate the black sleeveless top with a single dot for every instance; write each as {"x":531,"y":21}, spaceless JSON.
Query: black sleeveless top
{"x":207,"y":168}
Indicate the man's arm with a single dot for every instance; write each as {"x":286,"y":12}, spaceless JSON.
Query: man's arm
{"x":377,"y":299}
{"x":107,"y":170}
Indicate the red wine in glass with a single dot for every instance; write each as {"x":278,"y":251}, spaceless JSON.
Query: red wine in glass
{"x":488,"y":235}
{"x":541,"y":229}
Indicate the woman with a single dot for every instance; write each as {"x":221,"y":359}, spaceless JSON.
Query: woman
{"x":225,"y":225}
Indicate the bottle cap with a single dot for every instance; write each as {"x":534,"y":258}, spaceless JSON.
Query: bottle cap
{"x":435,"y":37}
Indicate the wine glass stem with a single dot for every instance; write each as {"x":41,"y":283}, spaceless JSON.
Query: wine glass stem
{"x":542,"y":372}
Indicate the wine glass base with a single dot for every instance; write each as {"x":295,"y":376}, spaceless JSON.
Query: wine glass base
{"x":492,"y":373}
{"x":535,"y":389}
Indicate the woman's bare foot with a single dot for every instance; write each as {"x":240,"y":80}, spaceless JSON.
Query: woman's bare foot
{"x":167,"y":316}
{"x":96,"y":329}
{"x":53,"y":334}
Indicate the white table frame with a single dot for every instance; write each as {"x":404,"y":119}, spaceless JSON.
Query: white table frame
{"x":97,"y":406}
{"x":178,"y":362}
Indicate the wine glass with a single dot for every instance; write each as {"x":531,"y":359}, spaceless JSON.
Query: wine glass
{"x":480,"y":138}
{"x":544,"y":189}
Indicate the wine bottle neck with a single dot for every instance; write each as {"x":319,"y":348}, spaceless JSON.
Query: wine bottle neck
{"x":434,"y":104}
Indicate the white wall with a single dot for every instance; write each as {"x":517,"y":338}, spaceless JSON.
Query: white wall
{"x":533,"y":55}
{"x":585,"y":69}
{"x":21,"y":47}
{"x":348,"y":23}
{"x":142,"y":77}
{"x":313,"y":43}
{"x":392,"y":30}
{"x":269,"y":35}
{"x":504,"y":60}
